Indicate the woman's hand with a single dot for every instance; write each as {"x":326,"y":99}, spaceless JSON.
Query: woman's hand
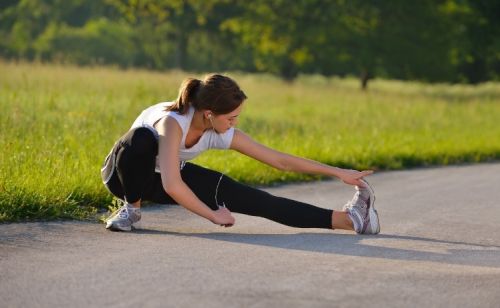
{"x":353,"y":177}
{"x":223,"y":217}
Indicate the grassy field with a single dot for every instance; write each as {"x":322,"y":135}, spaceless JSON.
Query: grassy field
{"x":57,"y":123}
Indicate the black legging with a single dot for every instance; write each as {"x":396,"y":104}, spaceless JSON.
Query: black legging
{"x":134,"y":178}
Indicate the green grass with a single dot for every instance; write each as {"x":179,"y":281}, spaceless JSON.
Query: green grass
{"x":57,"y":123}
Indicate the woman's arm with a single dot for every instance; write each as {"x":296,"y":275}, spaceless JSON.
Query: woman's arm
{"x":286,"y":162}
{"x":169,"y":142}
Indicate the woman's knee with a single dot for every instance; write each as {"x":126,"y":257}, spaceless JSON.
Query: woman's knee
{"x":142,"y":141}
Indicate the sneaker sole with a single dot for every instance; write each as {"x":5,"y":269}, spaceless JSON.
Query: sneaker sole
{"x":372,"y":212}
{"x":113,"y":227}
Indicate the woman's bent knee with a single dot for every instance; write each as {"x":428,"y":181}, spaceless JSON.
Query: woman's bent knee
{"x":142,"y":141}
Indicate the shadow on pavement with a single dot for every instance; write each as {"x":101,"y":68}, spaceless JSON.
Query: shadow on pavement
{"x":379,"y":246}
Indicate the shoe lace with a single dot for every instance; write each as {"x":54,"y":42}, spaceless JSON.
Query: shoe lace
{"x":358,"y":199}
{"x":121,"y":212}
{"x":124,"y":213}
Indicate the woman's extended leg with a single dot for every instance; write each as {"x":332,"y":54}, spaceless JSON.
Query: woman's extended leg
{"x":214,"y":189}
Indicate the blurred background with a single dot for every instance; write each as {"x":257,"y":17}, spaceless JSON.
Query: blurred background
{"x":456,"y":41}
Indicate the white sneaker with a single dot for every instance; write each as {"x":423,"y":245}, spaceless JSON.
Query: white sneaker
{"x":123,"y":218}
{"x":362,"y":210}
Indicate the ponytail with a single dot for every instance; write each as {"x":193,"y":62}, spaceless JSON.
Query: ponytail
{"x":217,"y":93}
{"x":187,"y":93}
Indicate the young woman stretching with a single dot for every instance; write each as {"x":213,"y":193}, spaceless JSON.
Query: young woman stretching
{"x":150,"y":163}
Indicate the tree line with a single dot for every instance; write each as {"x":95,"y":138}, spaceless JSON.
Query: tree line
{"x":428,"y":40}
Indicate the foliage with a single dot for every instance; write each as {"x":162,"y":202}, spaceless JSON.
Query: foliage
{"x":427,"y":40}
{"x":98,"y":41}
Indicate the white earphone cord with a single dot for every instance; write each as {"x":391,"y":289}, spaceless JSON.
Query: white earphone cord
{"x":217,"y":191}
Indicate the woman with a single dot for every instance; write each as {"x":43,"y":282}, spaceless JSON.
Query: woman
{"x":150,"y":163}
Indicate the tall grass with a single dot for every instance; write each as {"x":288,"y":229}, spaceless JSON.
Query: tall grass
{"x":57,"y":123}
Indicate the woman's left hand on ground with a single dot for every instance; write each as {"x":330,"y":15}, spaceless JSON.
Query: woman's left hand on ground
{"x":223,"y":217}
{"x":353,"y":177}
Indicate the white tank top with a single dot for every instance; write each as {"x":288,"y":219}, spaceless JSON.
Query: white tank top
{"x":209,"y":140}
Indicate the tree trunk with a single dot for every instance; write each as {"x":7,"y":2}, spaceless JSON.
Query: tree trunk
{"x":288,"y":70}
{"x":365,"y":77}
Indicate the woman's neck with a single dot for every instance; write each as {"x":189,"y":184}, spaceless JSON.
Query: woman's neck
{"x":199,"y":123}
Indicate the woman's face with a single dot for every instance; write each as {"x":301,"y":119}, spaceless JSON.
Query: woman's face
{"x":222,"y":122}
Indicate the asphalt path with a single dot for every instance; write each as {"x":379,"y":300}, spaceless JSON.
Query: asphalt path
{"x":439,"y":246}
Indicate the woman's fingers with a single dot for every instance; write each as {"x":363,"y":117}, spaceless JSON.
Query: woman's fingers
{"x":224,"y":217}
{"x":366,"y":173}
{"x":362,"y":174}
{"x":354,"y":177}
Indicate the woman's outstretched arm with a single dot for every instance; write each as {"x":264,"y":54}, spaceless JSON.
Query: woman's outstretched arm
{"x":286,"y":162}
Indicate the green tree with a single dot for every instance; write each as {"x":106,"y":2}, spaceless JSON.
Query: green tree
{"x":279,"y":33}
{"x":477,"y":45}
{"x":429,"y":40}
{"x":24,"y":21}
{"x":164,"y":27}
{"x":413,"y":40}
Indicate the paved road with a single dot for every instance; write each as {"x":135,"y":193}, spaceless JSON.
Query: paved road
{"x":439,"y":246}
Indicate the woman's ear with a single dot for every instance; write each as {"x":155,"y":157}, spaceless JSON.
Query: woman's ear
{"x":208,"y":114}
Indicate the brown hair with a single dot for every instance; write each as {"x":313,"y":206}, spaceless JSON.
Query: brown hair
{"x":217,"y":93}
